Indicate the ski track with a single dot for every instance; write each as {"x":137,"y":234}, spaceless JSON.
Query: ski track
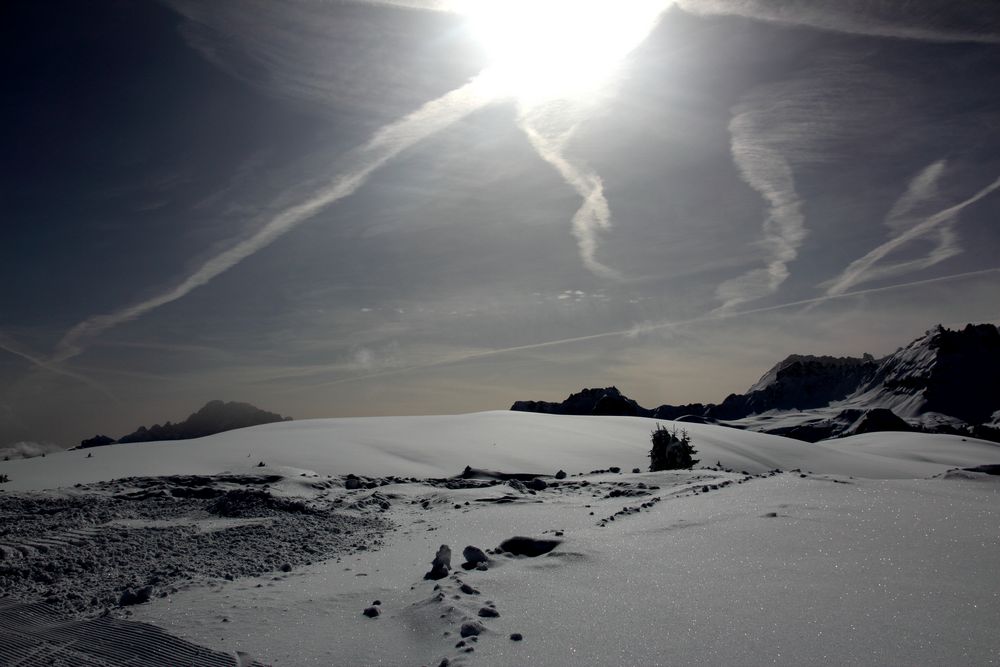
{"x":33,"y":634}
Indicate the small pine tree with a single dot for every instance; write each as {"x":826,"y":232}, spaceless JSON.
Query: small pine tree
{"x":671,"y":450}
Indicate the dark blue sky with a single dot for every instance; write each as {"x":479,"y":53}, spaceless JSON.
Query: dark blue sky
{"x":335,"y":209}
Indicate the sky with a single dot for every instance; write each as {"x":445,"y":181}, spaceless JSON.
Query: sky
{"x":351,"y":208}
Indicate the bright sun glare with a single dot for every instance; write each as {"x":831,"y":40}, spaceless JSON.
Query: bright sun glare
{"x":544,"y":49}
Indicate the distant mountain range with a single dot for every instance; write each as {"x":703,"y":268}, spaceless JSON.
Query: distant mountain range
{"x":213,"y":417}
{"x":945,"y":381}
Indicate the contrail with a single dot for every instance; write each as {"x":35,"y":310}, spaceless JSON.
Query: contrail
{"x":594,"y":215}
{"x":768,"y":172}
{"x":7,"y":345}
{"x":387,"y":143}
{"x":711,"y":316}
{"x":865,"y":269}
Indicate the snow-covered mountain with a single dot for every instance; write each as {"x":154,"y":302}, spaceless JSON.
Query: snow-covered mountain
{"x":800,"y":382}
{"x":213,"y":417}
{"x":947,"y":381}
{"x":954,"y":373}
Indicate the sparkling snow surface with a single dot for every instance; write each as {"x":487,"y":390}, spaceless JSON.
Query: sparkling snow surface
{"x":866,"y":553}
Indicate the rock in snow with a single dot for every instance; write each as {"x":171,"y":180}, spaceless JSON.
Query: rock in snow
{"x":441,"y":564}
{"x":471,"y":629}
{"x":537,"y":484}
{"x":528,"y":546}
{"x":474,"y":555}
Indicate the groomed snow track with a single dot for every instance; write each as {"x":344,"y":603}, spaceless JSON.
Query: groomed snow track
{"x":34,"y":635}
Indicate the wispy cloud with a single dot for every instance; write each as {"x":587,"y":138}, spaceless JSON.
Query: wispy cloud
{"x":9,"y":345}
{"x":639,"y":329}
{"x":778,"y":128}
{"x":928,"y":20}
{"x":275,"y":47}
{"x":325,"y":55}
{"x":938,"y":227}
{"x":387,"y":143}
{"x":594,"y":215}
{"x":767,"y":171}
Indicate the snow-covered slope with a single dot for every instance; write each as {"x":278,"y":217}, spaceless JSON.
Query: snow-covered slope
{"x":441,"y":446}
{"x":864,"y":551}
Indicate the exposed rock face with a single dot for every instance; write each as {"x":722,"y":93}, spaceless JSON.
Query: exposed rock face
{"x":214,"y":417}
{"x":878,"y":419}
{"x":441,"y":565}
{"x":596,"y":401}
{"x":799,"y":383}
{"x":96,"y":441}
{"x":954,"y":374}
{"x":474,"y":555}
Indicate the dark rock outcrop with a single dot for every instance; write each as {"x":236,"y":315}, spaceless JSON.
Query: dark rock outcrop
{"x":96,"y":441}
{"x":606,"y":401}
{"x":954,"y":373}
{"x":528,"y":546}
{"x":441,"y":565}
{"x":214,"y":417}
{"x":944,"y":372}
{"x":878,"y":419}
{"x":799,"y":382}
{"x":475,"y":555}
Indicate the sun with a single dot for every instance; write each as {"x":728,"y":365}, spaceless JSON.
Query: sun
{"x":545,"y":49}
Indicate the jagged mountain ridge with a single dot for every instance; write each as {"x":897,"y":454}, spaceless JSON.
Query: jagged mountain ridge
{"x":213,"y":417}
{"x":951,"y":375}
{"x":596,"y":401}
{"x":954,"y":373}
{"x":800,"y":382}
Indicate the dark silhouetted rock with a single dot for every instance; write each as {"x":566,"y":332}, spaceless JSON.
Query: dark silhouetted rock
{"x":528,"y":546}
{"x":474,"y":555}
{"x":597,"y":401}
{"x":944,"y":372}
{"x":878,"y":419}
{"x":96,"y":441}
{"x":372,"y":612}
{"x":988,"y":469}
{"x":799,"y":382}
{"x":441,"y":564}
{"x":131,"y":597}
{"x":213,"y":417}
{"x":471,"y":629}
{"x":955,"y":373}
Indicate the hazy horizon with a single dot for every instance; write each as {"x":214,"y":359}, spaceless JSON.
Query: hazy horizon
{"x":424,"y":207}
